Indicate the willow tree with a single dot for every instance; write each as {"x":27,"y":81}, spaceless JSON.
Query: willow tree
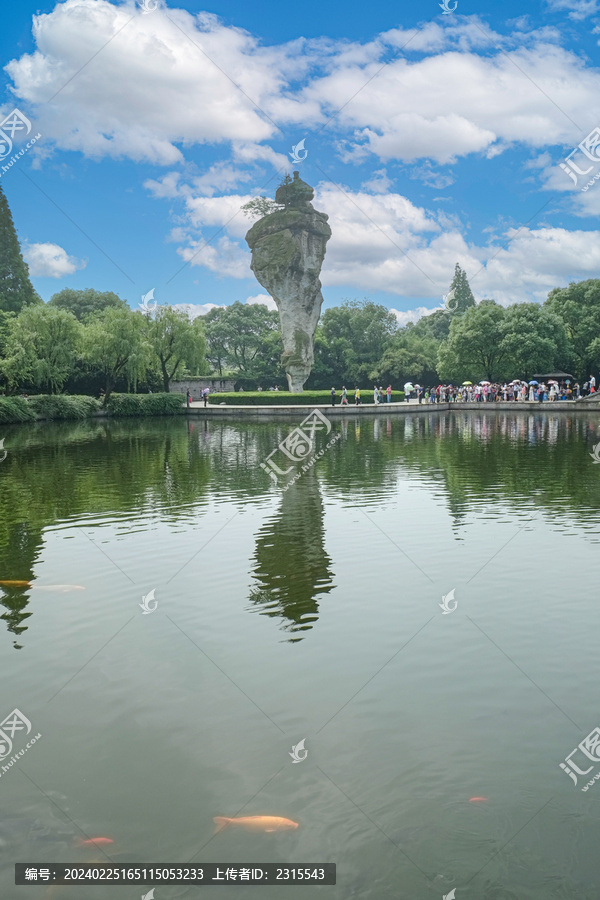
{"x":114,"y":344}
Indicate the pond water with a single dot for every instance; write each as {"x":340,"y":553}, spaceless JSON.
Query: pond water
{"x":308,"y":614}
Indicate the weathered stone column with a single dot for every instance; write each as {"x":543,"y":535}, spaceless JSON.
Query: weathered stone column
{"x":288,"y":248}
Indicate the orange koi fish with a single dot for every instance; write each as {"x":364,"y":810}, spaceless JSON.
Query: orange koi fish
{"x":477,"y":799}
{"x":255,"y":823}
{"x":98,"y":841}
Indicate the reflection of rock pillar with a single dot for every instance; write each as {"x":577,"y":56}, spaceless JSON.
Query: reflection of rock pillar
{"x":288,"y":248}
{"x":292,"y":567}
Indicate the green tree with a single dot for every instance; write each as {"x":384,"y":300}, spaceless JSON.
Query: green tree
{"x":357,"y":335}
{"x":535,"y":340}
{"x":411,"y":357}
{"x":42,"y":347}
{"x":460,"y":297}
{"x":114,"y":344}
{"x":245,"y":338}
{"x":86,"y":302}
{"x":578,"y":308}
{"x":474,"y":348}
{"x":175,"y":342}
{"x":259,"y":207}
{"x":16,"y":290}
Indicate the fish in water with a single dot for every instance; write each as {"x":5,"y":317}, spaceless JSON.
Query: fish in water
{"x":57,"y":588}
{"x":477,"y":799}
{"x":255,"y":823}
{"x":97,"y":841}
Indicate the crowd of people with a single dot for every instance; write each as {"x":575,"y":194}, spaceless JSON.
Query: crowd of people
{"x":516,"y":391}
{"x":484,"y":392}
{"x":379,"y":395}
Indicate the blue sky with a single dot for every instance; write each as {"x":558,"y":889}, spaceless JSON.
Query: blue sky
{"x":431,"y":139}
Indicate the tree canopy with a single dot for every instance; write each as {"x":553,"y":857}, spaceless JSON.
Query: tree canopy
{"x":85,"y":303}
{"x":16,"y":290}
{"x":175,"y":342}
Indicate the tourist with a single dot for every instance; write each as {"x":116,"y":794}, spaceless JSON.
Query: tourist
{"x":380,"y":394}
{"x":531,"y":393}
{"x":188,"y":397}
{"x":205,"y":393}
{"x":553,"y":392}
{"x":592,"y":384}
{"x":577,"y":390}
{"x":357,"y":396}
{"x":259,"y":388}
{"x":344,"y":396}
{"x":375,"y":395}
{"x":333,"y":396}
{"x":388,"y":391}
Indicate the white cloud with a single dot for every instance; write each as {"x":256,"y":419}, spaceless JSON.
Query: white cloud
{"x":579,"y":9}
{"x":379,"y":183}
{"x":50,"y":261}
{"x":413,"y":315}
{"x":193,"y":80}
{"x":179,"y":71}
{"x":264,"y":300}
{"x":196,"y":309}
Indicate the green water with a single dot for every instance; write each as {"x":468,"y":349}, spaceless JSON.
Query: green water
{"x":311,"y":613}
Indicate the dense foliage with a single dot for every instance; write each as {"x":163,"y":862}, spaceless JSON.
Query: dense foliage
{"x":306,"y":398}
{"x":63,"y":406}
{"x":146,"y":404}
{"x":16,"y":290}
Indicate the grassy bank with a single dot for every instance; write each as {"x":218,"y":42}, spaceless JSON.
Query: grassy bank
{"x":284,"y":398}
{"x":66,"y":407}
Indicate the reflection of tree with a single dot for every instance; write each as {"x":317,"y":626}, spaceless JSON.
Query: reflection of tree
{"x":475,"y":459}
{"x":63,"y":472}
{"x":292,"y":568}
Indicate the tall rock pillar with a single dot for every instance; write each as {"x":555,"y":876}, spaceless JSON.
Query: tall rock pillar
{"x":288,"y":248}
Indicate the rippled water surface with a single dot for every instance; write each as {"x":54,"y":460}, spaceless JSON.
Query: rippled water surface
{"x":308,"y":613}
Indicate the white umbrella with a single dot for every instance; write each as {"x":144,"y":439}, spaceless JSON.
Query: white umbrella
{"x":409,"y":386}
{"x":485,"y":382}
